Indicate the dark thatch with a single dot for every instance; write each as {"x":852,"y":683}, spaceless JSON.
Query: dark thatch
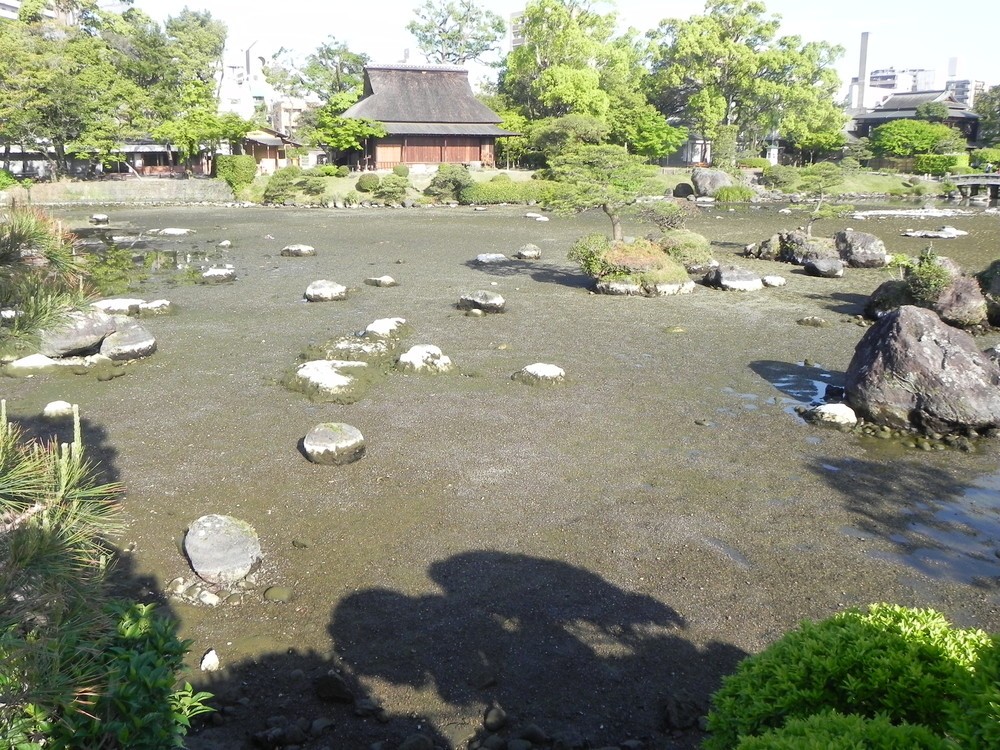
{"x":424,"y":99}
{"x":904,"y":106}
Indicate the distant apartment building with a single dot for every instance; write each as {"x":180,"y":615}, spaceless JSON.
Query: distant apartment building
{"x":516,"y":30}
{"x":9,"y":10}
{"x":966,"y":91}
{"x":906,"y":79}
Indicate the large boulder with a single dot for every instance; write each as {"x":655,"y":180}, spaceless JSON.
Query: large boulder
{"x":733,"y":279}
{"x":708,"y":181}
{"x":860,"y":249}
{"x":80,"y":333}
{"x":827,"y":268}
{"x":913,"y":370}
{"x":961,"y":303}
{"x":129,"y":341}
{"x":799,"y":248}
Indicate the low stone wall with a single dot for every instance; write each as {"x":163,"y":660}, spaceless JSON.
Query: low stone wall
{"x":130,"y":191}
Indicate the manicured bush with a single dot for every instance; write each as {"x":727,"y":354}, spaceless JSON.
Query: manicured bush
{"x":312,"y":185}
{"x":401,"y":170}
{"x":392,"y":189}
{"x":641,"y":261}
{"x":501,"y":177}
{"x":724,"y":147}
{"x":754,"y":162}
{"x":780,"y":177}
{"x":343,"y":171}
{"x":934,"y":164}
{"x":850,"y":164}
{"x":448,"y":182}
{"x":908,"y":665}
{"x":281,"y":185}
{"x":589,"y":252}
{"x":237,"y":171}
{"x":734,"y":194}
{"x":502,"y":191}
{"x":367,"y":183}
{"x":324,"y":170}
{"x":833,"y":731}
{"x":690,"y":249}
{"x":980,"y":158}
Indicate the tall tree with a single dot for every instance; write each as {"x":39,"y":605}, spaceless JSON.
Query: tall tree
{"x":329,"y":72}
{"x":988,"y":108}
{"x":729,"y":67}
{"x":455,"y":31}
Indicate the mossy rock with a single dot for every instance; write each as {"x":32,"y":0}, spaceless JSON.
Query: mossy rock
{"x":690,"y":249}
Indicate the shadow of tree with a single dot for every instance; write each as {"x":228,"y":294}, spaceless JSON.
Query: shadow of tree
{"x":542,"y":272}
{"x":552,"y":644}
{"x":943,"y":528}
{"x":844,"y":303}
{"x":804,"y":384}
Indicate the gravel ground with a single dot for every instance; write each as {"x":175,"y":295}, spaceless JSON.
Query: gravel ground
{"x":592,"y":557}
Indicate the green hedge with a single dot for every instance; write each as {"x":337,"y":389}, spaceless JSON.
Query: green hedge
{"x":367,"y":183}
{"x":734,"y":194}
{"x":833,"y":731}
{"x":502,"y":191}
{"x":935,"y":164}
{"x":237,"y":171}
{"x":754,"y":162}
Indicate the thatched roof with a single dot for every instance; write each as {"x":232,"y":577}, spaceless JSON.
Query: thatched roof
{"x":424,"y":100}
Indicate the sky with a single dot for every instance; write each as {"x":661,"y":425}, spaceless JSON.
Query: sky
{"x":902,"y":33}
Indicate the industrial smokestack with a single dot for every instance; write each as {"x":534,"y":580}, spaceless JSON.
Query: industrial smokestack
{"x":863,"y":70}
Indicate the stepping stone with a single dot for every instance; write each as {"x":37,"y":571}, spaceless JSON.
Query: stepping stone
{"x":484,"y":300}
{"x":381,"y":281}
{"x":298,"y":251}
{"x":334,"y":443}
{"x":425,"y":358}
{"x":529,"y":252}
{"x":219,"y":275}
{"x":325,"y":291}
{"x":222,"y":549}
{"x":540,"y":374}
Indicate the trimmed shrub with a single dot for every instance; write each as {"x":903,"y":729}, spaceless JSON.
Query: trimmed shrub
{"x":281,"y":185}
{"x":367,"y":183}
{"x":392,"y":189}
{"x":724,"y":147}
{"x":980,"y":157}
{"x":237,"y":171}
{"x":343,"y":171}
{"x":833,"y":731}
{"x":734,"y":194}
{"x":589,"y":252}
{"x":401,"y":170}
{"x":449,"y":182}
{"x":754,"y":162}
{"x":690,"y":249}
{"x":850,"y":164}
{"x":780,"y":177}
{"x":641,"y":261}
{"x":311,"y":185}
{"x":502,"y":191}
{"x":501,"y":177}
{"x":935,"y":164}
{"x":907,"y":665}
{"x":324,"y":170}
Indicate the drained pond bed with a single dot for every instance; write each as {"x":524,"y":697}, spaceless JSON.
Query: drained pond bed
{"x":592,"y":557}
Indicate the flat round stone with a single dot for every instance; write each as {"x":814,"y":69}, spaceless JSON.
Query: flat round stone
{"x":334,"y":443}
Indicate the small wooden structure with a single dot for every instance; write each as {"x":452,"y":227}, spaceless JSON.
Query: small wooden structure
{"x":270,"y":149}
{"x":430,"y":115}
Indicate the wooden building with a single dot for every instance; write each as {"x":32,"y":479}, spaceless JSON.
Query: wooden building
{"x":270,"y":149}
{"x":904,"y":107}
{"x":430,"y":115}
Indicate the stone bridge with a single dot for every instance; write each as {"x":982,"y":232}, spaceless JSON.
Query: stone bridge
{"x":970,"y":184}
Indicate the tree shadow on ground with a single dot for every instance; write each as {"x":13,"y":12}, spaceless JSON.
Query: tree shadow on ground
{"x":842,"y":302}
{"x":555,"y":646}
{"x":805,"y":384}
{"x":544,"y":273}
{"x":945,"y":529}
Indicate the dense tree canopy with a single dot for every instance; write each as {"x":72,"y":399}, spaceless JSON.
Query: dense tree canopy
{"x":988,"y":108}
{"x":455,"y":31}
{"x":728,"y":66}
{"x":911,"y":137}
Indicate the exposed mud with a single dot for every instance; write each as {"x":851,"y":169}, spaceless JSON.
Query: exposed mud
{"x":588,"y":556}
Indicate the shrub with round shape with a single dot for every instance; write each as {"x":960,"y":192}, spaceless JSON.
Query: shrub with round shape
{"x":908,"y":665}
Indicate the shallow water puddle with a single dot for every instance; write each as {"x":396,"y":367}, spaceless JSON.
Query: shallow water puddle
{"x":955,"y":539}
